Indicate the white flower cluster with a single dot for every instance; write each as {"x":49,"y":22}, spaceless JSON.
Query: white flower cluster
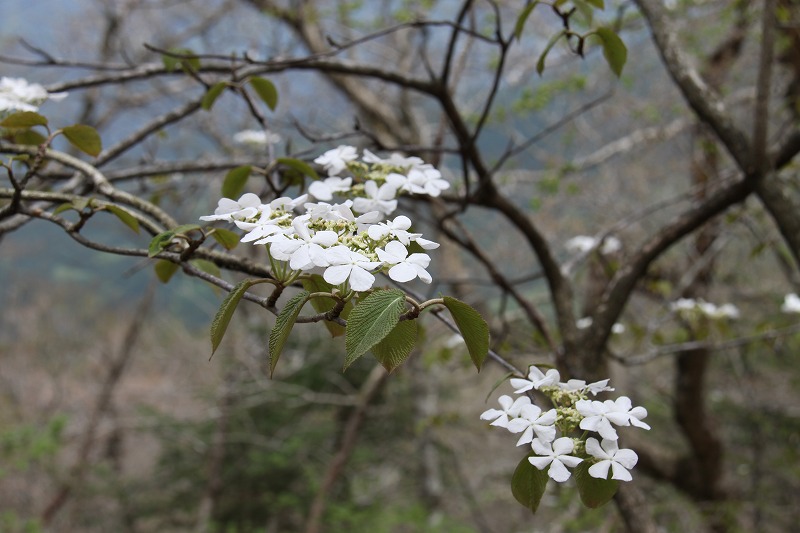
{"x":16,"y":94}
{"x":690,"y":307}
{"x":256,"y":138}
{"x":573,"y":410}
{"x":584,"y":244}
{"x":347,"y":242}
{"x":791,"y":304}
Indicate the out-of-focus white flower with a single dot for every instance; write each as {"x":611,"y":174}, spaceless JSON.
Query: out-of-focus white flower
{"x":325,"y":189}
{"x":335,"y":161}
{"x":16,"y":94}
{"x":555,"y":454}
{"x":611,"y":457}
{"x":584,"y":244}
{"x":716,"y":312}
{"x":618,"y":328}
{"x":583,"y":323}
{"x":395,"y":160}
{"x":256,"y":138}
{"x":791,"y":304}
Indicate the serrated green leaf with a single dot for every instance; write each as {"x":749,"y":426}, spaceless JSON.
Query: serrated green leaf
{"x":29,"y":137}
{"x":472,"y":327}
{"x":599,"y":4}
{"x":235,"y":180}
{"x":395,"y":347}
{"x":614,"y":50}
{"x":84,"y":138}
{"x":165,"y":270}
{"x":522,"y":18}
{"x":227,"y":238}
{"x":125,"y":216}
{"x":316,"y":283}
{"x":550,"y":44}
{"x":206,"y":266}
{"x":23,"y":119}
{"x":225,"y":312}
{"x":594,"y":492}
{"x":212,"y":94}
{"x":265,"y":90}
{"x":298,"y":165}
{"x":372,"y":319}
{"x":528,"y":484}
{"x":283,"y":326}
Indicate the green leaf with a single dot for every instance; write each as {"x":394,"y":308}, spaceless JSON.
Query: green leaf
{"x":528,"y":484}
{"x":235,"y":180}
{"x":225,"y":312}
{"x":206,"y":266}
{"x":298,"y":165}
{"x":550,"y":44}
{"x":163,"y":239}
{"x":614,"y":50}
{"x":125,"y":216}
{"x":23,"y":119}
{"x":84,"y":138}
{"x":316,"y":283}
{"x":266,"y":91}
{"x":212,"y":94}
{"x":29,"y":137}
{"x":191,"y":62}
{"x":523,"y":17}
{"x":372,"y":319}
{"x":472,"y":327}
{"x":165,"y":269}
{"x":227,"y":238}
{"x":395,"y":347}
{"x":283,"y":326}
{"x":63,"y":207}
{"x":594,"y":492}
{"x":599,"y":4}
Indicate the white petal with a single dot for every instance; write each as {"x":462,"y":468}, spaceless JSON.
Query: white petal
{"x":558,"y":471}
{"x":396,"y":249}
{"x":594,"y":449}
{"x":489,"y":414}
{"x":402,"y":272}
{"x":626,"y":458}
{"x":521,"y":385}
{"x":563,"y":446}
{"x":570,"y":461}
{"x":361,"y":280}
{"x":541,"y":448}
{"x":619,"y":472}
{"x":335,"y":275}
{"x":540,"y":462}
{"x":506,"y":402}
{"x":518,"y":425}
{"x":600,"y":470}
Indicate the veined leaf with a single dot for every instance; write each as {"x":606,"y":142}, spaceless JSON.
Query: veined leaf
{"x":225,"y":312}
{"x":165,"y":269}
{"x":235,"y":180}
{"x":372,"y":319}
{"x":23,"y":119}
{"x":29,"y":137}
{"x":395,"y":347}
{"x":599,"y":4}
{"x":473,"y":328}
{"x":163,"y":239}
{"x":298,"y":165}
{"x":283,"y":326}
{"x":212,"y":94}
{"x":125,"y":216}
{"x":63,"y":207}
{"x":265,"y":90}
{"x":528,"y":484}
{"x":227,"y":238}
{"x":594,"y":492}
{"x":614,"y":50}
{"x":84,"y":138}
{"x":206,"y":266}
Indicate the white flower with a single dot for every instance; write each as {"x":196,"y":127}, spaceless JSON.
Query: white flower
{"x":555,"y":455}
{"x":683,"y":304}
{"x":598,"y":387}
{"x":256,"y":138}
{"x":395,"y":160}
{"x":611,"y":457}
{"x":287,"y":203}
{"x":535,"y":380}
{"x":618,"y":328}
{"x":266,"y":225}
{"x":347,"y":264}
{"x":425,"y":244}
{"x":425,"y":180}
{"x":791,"y":304}
{"x":610,"y":245}
{"x":510,"y":408}
{"x":531,"y":420}
{"x":397,"y":228}
{"x":248,"y":206}
{"x":305,"y":251}
{"x":335,"y":161}
{"x":726,"y":311}
{"x":325,"y":189}
{"x":16,"y":94}
{"x":406,"y":267}
{"x":580,"y":244}
{"x":600,"y":415}
{"x":583,"y":323}
{"x":688,"y":305}
{"x":378,"y":198}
